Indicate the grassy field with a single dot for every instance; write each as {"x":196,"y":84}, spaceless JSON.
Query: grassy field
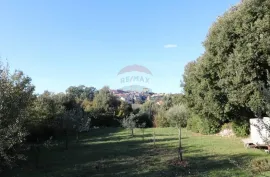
{"x":112,"y":152}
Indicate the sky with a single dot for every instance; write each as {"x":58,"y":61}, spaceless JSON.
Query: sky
{"x":87,"y":42}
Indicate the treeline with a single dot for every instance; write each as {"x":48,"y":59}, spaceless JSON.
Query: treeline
{"x":28,"y":119}
{"x":230,"y":81}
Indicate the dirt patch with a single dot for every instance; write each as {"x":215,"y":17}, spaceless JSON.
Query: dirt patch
{"x":226,"y":133}
{"x":178,"y":163}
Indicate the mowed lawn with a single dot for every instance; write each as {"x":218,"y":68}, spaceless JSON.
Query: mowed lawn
{"x":111,"y":152}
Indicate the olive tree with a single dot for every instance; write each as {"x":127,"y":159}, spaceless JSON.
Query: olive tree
{"x":16,"y":97}
{"x":177,"y":116}
{"x":130,"y":123}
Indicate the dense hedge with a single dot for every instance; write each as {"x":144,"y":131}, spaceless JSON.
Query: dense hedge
{"x":105,"y":120}
{"x":241,"y":127}
{"x":201,"y":125}
{"x":144,"y":118}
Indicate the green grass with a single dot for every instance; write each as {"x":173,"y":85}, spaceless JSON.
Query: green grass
{"x":112,"y":152}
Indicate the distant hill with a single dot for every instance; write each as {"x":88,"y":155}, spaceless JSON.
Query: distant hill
{"x":136,"y":88}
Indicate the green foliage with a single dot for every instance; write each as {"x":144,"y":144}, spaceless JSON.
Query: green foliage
{"x":143,"y":118}
{"x":161,"y":119}
{"x":151,"y":109}
{"x":177,"y":116}
{"x":130,"y":123}
{"x":260,"y":165}
{"x":87,"y":105}
{"x":201,"y":125}
{"x":178,"y":99}
{"x":124,"y":109}
{"x":210,"y":126}
{"x":241,"y":127}
{"x":46,"y":112}
{"x":194,"y":123}
{"x":167,"y":102}
{"x":226,"y":82}
{"x":16,"y":97}
{"x":227,"y":126}
{"x":147,"y":106}
{"x":82,"y":92}
{"x":105,"y":120}
{"x":105,"y":101}
{"x":80,"y":120}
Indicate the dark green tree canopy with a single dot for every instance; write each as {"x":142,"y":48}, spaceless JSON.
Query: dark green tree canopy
{"x":226,"y":82}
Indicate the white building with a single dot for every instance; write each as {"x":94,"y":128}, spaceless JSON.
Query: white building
{"x":260,"y":131}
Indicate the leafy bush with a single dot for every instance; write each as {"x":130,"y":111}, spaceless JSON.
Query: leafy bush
{"x":240,"y":127}
{"x":260,"y":165}
{"x":130,"y":122}
{"x":40,"y":131}
{"x":210,"y":126}
{"x":16,"y":97}
{"x":143,"y":118}
{"x":161,"y":119}
{"x":226,"y":126}
{"x":105,"y":120}
{"x":177,"y":116}
{"x":193,"y":123}
{"x":201,"y":125}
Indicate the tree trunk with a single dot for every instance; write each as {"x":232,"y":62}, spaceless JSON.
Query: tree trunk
{"x":77,"y":136}
{"x":154,"y":138}
{"x":66,"y":140}
{"x":132,"y":133}
{"x":143,"y":135}
{"x":180,"y":146}
{"x":37,"y":149}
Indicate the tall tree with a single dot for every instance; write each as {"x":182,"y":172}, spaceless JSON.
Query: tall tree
{"x":105,"y":101}
{"x":45,"y":116}
{"x":124,"y":109}
{"x":82,"y":92}
{"x":16,"y":97}
{"x":226,"y":82}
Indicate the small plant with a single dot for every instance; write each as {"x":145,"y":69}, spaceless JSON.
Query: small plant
{"x":130,"y":123}
{"x":240,"y":128}
{"x":226,"y":126}
{"x":177,"y":116}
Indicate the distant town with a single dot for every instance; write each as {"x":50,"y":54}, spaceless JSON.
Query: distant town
{"x":136,"y":97}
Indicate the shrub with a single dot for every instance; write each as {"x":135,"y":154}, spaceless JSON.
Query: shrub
{"x":260,"y":165}
{"x":201,"y":125}
{"x":143,"y":118}
{"x":105,"y":120}
{"x":210,"y":126}
{"x":177,"y":116}
{"x":240,"y":127}
{"x":226,"y":126}
{"x":193,"y":123}
{"x":130,"y":123}
{"x":161,"y":119}
{"x":40,"y":131}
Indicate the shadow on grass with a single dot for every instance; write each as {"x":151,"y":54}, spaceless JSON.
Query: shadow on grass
{"x":108,"y":153}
